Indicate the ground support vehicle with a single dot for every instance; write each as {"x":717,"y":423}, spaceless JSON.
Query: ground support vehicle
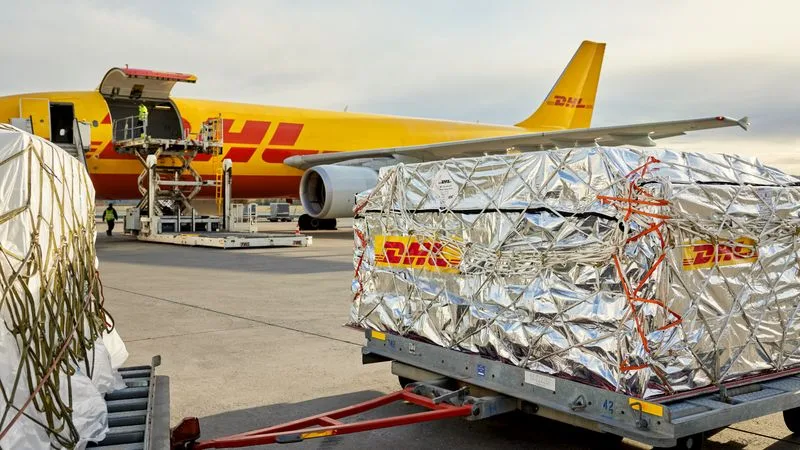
{"x":449,"y":384}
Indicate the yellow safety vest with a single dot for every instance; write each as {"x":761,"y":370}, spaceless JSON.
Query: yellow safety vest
{"x":109,"y":215}
{"x":142,"y":112}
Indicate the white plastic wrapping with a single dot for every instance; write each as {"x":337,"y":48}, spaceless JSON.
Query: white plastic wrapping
{"x":26,"y":433}
{"x":116,"y":348}
{"x":89,"y":415}
{"x":104,"y":375}
{"x":52,"y":317}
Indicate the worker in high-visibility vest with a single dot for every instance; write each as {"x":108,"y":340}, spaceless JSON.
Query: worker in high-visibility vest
{"x":143,"y":118}
{"x":110,"y":215}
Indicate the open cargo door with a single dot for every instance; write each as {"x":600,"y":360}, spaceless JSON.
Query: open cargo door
{"x":38,"y":111}
{"x":124,"y":82}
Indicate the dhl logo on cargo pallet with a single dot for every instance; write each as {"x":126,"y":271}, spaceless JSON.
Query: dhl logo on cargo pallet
{"x":703,"y":254}
{"x":411,"y":252}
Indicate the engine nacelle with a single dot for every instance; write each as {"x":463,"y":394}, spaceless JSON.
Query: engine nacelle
{"x":329,"y":191}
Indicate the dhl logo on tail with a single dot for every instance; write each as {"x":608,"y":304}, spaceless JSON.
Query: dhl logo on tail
{"x":703,"y":254}
{"x":412,"y":252}
{"x":568,"y":102}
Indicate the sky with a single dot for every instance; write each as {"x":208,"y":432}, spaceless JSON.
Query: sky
{"x":490,"y":62}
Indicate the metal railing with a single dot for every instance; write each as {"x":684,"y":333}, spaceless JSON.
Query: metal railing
{"x":210,"y":131}
{"x":129,"y":128}
{"x":77,"y":140}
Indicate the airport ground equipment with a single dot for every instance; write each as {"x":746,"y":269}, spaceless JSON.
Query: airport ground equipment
{"x":450,"y":384}
{"x":678,"y":421}
{"x":436,"y":396}
{"x":279,"y":211}
{"x":168,"y":184}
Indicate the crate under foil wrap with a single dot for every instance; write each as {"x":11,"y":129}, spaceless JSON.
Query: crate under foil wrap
{"x":645,"y":272}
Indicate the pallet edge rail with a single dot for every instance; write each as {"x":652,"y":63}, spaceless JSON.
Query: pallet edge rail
{"x":441,"y":380}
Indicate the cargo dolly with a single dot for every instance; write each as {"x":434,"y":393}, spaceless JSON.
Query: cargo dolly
{"x":455,"y":384}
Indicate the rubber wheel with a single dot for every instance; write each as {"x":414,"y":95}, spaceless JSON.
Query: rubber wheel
{"x":791,"y":417}
{"x":693,"y":442}
{"x":307,"y":223}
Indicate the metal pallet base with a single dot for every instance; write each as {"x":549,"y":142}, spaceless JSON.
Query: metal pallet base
{"x":228,"y":240}
{"x":653,"y":423}
{"x":138,"y":416}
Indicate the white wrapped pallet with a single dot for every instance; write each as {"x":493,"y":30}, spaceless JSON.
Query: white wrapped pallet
{"x":54,"y":366}
{"x":644,"y":272}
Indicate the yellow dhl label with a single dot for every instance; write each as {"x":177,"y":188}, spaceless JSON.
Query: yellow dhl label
{"x":411,"y":252}
{"x":702,"y":254}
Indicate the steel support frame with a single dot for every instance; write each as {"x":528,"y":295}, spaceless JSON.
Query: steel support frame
{"x":227,"y":181}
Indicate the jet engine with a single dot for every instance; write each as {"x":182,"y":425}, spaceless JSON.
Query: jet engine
{"x":329,"y":191}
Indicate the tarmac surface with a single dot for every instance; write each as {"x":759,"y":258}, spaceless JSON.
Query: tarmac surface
{"x":255,"y":337}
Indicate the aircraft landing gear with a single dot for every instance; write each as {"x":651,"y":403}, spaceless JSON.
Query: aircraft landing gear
{"x":308,"y":223}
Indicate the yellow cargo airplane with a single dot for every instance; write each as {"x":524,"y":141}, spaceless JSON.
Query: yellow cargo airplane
{"x":321,"y":156}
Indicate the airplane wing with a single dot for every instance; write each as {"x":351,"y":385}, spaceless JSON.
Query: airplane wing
{"x":643,"y":135}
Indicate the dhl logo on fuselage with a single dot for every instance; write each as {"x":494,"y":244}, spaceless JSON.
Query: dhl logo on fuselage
{"x":703,"y":255}
{"x":241,"y":142}
{"x":568,"y":102}
{"x":248,"y":138}
{"x":412,"y":252}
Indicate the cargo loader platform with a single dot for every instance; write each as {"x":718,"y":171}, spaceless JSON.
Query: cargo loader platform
{"x":230,"y":240}
{"x":168,"y":184}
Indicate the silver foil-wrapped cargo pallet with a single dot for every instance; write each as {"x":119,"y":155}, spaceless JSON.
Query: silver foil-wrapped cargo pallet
{"x":644,"y":272}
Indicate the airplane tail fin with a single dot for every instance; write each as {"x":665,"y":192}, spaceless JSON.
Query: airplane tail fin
{"x":571,"y":100}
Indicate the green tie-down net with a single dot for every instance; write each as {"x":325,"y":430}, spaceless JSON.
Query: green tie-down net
{"x":54,"y":367}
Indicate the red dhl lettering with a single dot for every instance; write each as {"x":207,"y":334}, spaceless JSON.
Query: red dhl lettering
{"x":247,"y":140}
{"x":410,"y":252}
{"x":252,"y":132}
{"x":703,"y":255}
{"x":286,"y":134}
{"x":568,"y":102}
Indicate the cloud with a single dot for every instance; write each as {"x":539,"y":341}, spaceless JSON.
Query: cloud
{"x":462,"y":60}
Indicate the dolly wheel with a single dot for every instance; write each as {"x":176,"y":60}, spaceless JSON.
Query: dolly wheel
{"x":693,"y":442}
{"x":791,"y":417}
